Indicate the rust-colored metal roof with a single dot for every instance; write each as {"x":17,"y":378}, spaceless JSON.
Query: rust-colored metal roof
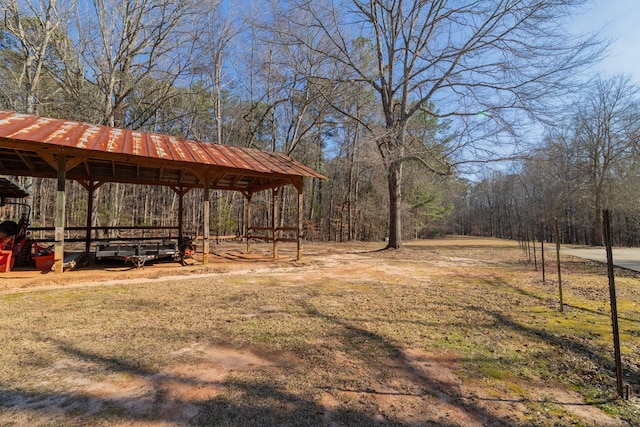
{"x":27,"y":144}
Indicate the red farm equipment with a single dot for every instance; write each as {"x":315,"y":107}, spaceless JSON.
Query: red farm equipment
{"x":15,"y":242}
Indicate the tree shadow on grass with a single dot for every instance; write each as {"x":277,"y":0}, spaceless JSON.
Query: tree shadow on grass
{"x":257,"y":401}
{"x":606,"y":314}
{"x":243,"y":402}
{"x":553,"y":302}
{"x":261,"y":404}
{"x":359,"y":339}
{"x":261,"y":401}
{"x":567,"y":344}
{"x":385,"y":354}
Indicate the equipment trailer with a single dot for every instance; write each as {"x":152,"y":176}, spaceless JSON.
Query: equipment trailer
{"x":137,"y":253}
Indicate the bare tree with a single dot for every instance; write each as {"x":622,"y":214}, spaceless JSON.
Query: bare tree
{"x":31,"y":25}
{"x":587,"y":163}
{"x":214,"y":42}
{"x":605,"y":130}
{"x":293,"y":97}
{"x":450,"y":60}
{"x":134,"y":52}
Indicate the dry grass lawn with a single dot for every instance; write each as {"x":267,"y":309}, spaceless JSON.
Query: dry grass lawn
{"x":452,"y":332}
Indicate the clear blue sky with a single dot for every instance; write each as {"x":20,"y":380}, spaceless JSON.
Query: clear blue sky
{"x":621,"y":21}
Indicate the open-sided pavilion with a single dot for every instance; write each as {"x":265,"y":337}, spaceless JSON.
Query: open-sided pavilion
{"x":94,"y":155}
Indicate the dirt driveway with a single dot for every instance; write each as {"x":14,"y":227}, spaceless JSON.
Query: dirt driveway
{"x":347,"y":336}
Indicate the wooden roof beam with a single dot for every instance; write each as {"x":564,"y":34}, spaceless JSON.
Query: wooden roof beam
{"x":26,"y":160}
{"x":70,"y":162}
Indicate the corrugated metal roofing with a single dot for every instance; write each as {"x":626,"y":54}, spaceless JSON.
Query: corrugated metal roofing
{"x":145,"y":145}
{"x":10,"y":190}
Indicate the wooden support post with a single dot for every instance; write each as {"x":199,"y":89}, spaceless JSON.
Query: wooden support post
{"x":181,"y":191}
{"x":91,"y":188}
{"x":274,"y":221}
{"x":58,"y":256}
{"x":299,"y":223}
{"x":181,"y":194}
{"x":247,"y":220}
{"x":87,"y":237}
{"x":205,"y":219}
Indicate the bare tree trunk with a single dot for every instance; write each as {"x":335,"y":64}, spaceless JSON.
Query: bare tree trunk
{"x":352,"y":190}
{"x":598,"y":236}
{"x":395,"y":204}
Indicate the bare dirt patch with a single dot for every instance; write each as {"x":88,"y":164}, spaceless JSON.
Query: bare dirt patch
{"x":168,"y":396}
{"x":452,"y":332}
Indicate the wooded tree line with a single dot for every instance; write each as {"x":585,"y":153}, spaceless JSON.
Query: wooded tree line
{"x":588,"y":161}
{"x":391,"y":101}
